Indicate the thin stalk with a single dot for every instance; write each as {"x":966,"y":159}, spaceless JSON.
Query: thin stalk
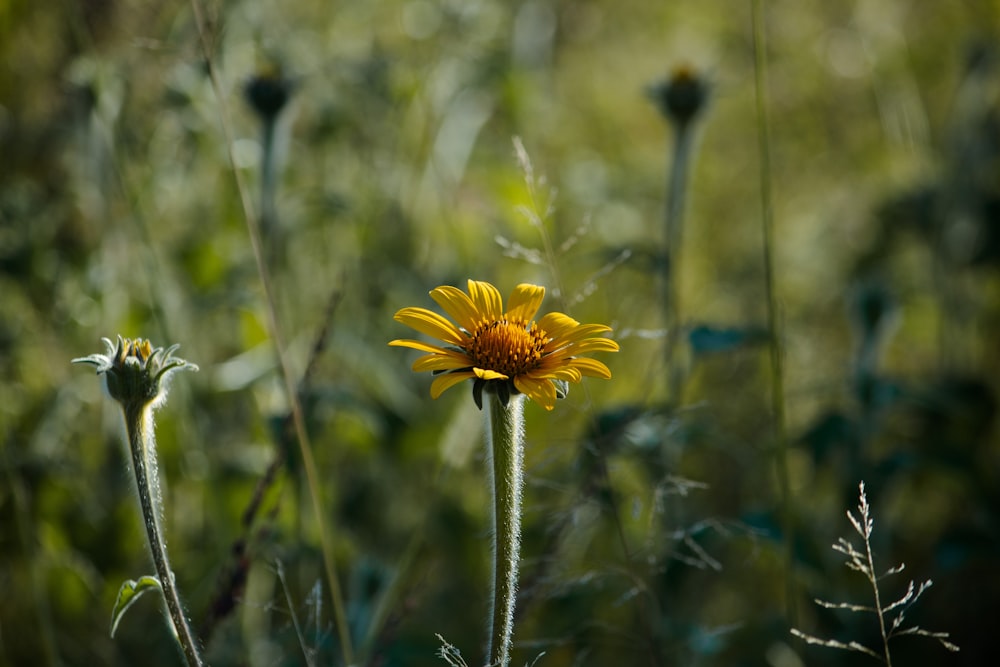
{"x":39,"y":586}
{"x":268,"y":190}
{"x":878,"y":598}
{"x":773,"y":320}
{"x":138,"y":425}
{"x":269,"y":176}
{"x":280,"y":569}
{"x":305,"y":448}
{"x":537,"y":218}
{"x":671,"y":268}
{"x":505,"y":448}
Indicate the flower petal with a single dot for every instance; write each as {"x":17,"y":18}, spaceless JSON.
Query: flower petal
{"x":457,"y":304}
{"x":432,"y":324}
{"x":542,"y":392}
{"x":591,"y":367}
{"x":524,"y":302}
{"x":560,"y":372}
{"x":417,"y":345}
{"x":486,"y":374}
{"x":487,"y":299}
{"x":444,"y":382}
{"x":557,"y":324}
{"x":579,"y":333}
{"x":593,"y":345}
{"x":441,"y":362}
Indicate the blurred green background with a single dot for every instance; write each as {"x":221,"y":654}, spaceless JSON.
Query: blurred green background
{"x":653,"y":532}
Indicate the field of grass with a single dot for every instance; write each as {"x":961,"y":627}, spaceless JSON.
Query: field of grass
{"x":802,"y":274}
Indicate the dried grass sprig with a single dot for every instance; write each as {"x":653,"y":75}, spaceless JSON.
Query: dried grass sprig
{"x":892,"y":616}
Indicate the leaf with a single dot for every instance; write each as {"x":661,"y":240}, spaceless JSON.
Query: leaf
{"x":609,"y":426}
{"x":831,"y":434}
{"x":706,"y":339}
{"x":128,"y":594}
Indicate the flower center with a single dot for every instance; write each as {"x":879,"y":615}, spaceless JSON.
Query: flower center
{"x":138,"y":350}
{"x":507,"y":347}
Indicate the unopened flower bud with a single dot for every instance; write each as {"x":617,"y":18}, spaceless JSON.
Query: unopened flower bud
{"x":682,"y":96}
{"x":135,"y":372}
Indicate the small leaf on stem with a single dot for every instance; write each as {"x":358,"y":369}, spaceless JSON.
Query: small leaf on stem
{"x":128,"y":594}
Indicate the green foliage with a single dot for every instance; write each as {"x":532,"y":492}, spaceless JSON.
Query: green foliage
{"x":129,"y":594}
{"x":652,"y":527}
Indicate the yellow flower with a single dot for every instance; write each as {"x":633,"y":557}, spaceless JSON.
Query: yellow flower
{"x":504,"y":351}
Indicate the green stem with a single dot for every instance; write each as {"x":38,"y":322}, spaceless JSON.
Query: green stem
{"x":139,"y":425}
{"x":773,"y":321}
{"x":676,"y":187}
{"x":268,"y":175}
{"x":505,"y":446}
{"x":268,"y":190}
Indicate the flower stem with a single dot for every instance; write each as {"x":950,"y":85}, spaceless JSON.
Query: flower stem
{"x":138,"y":425}
{"x":671,"y":266}
{"x":505,"y":447}
{"x":268,"y":190}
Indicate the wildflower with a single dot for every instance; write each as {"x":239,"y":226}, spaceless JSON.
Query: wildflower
{"x":268,"y":91}
{"x":682,"y":96}
{"x":135,"y":372}
{"x":510,"y":355}
{"x":505,"y":352}
{"x":136,"y":375}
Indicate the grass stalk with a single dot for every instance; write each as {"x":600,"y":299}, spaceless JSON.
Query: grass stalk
{"x":864,"y":525}
{"x":880,"y":612}
{"x":773,"y":317}
{"x":308,"y":461}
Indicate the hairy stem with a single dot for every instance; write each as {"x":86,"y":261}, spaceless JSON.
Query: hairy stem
{"x":505,"y":446}
{"x":139,"y":427}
